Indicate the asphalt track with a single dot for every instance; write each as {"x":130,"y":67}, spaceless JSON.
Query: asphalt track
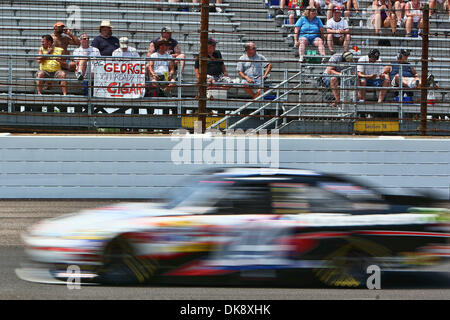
{"x":15,"y":216}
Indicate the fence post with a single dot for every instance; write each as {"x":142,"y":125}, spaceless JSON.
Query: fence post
{"x":89,"y":86}
{"x":10,"y":84}
{"x":400,"y":85}
{"x":179,"y":91}
{"x":203,"y":64}
{"x":424,"y":86}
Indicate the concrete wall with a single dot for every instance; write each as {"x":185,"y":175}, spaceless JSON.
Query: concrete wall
{"x":144,"y":167}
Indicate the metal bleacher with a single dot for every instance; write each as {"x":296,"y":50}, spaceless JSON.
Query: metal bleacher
{"x":23,"y":22}
{"x":364,"y":38}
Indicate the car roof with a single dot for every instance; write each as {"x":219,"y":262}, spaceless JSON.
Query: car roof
{"x":266,"y":173}
{"x":252,"y":171}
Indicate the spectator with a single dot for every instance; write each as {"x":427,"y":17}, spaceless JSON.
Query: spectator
{"x":353,"y":7}
{"x":338,"y":31}
{"x":280,"y":10}
{"x":125,"y":50}
{"x":309,"y":30}
{"x":333,"y":82}
{"x":410,"y":77}
{"x":174,"y":48}
{"x":106,"y":43}
{"x":439,"y":6}
{"x":302,"y":4}
{"x":216,"y":71}
{"x":218,"y":8}
{"x":162,"y":68}
{"x":382,"y":16}
{"x":298,"y":6}
{"x":85,"y":49}
{"x":371,"y":75}
{"x":50,"y":67}
{"x":399,"y":10}
{"x":321,"y":6}
{"x":251,"y":69}
{"x":413,"y":16}
{"x":331,"y":4}
{"x":62,"y":37}
{"x":294,"y":11}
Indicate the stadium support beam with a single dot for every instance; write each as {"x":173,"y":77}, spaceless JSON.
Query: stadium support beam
{"x":424,"y":86}
{"x":202,"y":85}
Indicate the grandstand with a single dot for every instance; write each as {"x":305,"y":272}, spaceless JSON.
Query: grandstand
{"x":294,"y":87}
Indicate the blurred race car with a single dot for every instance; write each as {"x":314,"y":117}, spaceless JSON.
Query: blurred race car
{"x":244,"y":225}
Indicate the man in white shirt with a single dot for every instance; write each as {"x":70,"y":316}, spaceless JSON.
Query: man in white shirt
{"x":338,"y":31}
{"x":371,"y":75}
{"x":84,"y":49}
{"x":125,"y":50}
{"x":162,"y":67}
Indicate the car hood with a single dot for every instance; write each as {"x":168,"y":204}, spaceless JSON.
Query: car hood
{"x":99,"y":221}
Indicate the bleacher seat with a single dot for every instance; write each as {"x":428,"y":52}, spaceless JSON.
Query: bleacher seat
{"x":22,"y":24}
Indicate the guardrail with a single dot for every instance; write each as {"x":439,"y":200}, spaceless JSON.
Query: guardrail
{"x":284,"y":100}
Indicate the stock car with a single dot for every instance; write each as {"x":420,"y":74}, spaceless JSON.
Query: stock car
{"x":243,"y":225}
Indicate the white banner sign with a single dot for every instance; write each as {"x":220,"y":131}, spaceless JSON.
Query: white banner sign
{"x":119,"y":79}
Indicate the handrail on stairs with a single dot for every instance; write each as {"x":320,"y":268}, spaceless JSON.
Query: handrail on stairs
{"x":245,"y":106}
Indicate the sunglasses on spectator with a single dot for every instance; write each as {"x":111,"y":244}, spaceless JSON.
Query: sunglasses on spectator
{"x":84,"y":38}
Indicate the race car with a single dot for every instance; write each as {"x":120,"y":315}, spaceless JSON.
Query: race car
{"x":244,"y":225}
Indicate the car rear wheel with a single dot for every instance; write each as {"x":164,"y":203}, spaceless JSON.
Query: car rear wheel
{"x":348,"y":266}
{"x":121,"y":266}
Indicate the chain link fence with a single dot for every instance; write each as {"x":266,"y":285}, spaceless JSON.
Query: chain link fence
{"x":282,"y":65}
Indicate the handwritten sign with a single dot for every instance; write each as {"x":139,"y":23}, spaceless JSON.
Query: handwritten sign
{"x":119,"y":79}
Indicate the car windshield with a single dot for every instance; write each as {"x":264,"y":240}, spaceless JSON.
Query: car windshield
{"x":351,"y":191}
{"x":202,"y":193}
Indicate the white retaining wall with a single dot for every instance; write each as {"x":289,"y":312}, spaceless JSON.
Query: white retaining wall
{"x":145,"y":167}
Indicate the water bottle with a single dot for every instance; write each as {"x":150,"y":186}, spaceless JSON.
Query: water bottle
{"x":85,"y":88}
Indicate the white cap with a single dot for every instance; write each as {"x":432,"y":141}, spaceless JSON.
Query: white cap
{"x":123,"y":42}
